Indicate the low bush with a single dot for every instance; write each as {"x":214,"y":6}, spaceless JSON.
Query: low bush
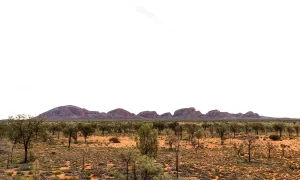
{"x":274,"y":137}
{"x":114,"y":140}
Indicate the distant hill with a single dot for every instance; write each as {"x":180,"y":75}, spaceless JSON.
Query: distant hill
{"x":71,"y":112}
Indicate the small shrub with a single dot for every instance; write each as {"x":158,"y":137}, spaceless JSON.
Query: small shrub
{"x":274,"y":137}
{"x":114,"y":140}
{"x":57,"y":173}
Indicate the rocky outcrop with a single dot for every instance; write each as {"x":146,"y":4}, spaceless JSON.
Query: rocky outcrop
{"x":120,"y":113}
{"x":148,"y":114}
{"x":167,"y":115}
{"x":251,"y":114}
{"x":216,"y":114}
{"x":72,"y":112}
{"x":186,"y":113}
{"x":76,"y":113}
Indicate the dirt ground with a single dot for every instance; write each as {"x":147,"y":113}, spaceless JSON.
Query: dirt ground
{"x":213,"y":161}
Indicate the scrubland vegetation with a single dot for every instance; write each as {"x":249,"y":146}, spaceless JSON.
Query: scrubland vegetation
{"x":32,"y":148}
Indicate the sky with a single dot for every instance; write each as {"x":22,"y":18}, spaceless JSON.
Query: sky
{"x":162,"y":55}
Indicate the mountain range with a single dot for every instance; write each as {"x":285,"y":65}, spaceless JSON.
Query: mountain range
{"x":71,"y":112}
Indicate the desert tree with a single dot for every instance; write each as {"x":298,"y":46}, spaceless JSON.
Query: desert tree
{"x":191,"y":130}
{"x":127,"y":156}
{"x":234,"y":128}
{"x":297,"y":129}
{"x":70,"y":131}
{"x":205,"y":126}
{"x":103,"y":127}
{"x":159,"y":125}
{"x":279,"y":127}
{"x":238,"y":148}
{"x":198,"y":135}
{"x":25,"y":127}
{"x":148,"y":169}
{"x":55,"y":128}
{"x":268,"y":128}
{"x":290,"y":130}
{"x":270,"y":146}
{"x":179,"y":130}
{"x":211,"y":130}
{"x":256,"y":126}
{"x":4,"y":149}
{"x":3,"y":129}
{"x":247,"y":127}
{"x":86,"y":130}
{"x":4,"y":144}
{"x":14,"y":137}
{"x":173,"y":126}
{"x":250,"y":140}
{"x":171,"y":140}
{"x":177,"y":155}
{"x":52,"y":128}
{"x":283,"y":146}
{"x":147,"y":140}
{"x":221,"y":129}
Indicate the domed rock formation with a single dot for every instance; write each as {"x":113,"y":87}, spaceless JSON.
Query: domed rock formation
{"x":251,"y":114}
{"x":148,"y":114}
{"x":167,"y":115}
{"x":186,"y":113}
{"x":72,"y":112}
{"x":120,"y":113}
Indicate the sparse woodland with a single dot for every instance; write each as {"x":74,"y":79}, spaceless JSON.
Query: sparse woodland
{"x":33,"y":148}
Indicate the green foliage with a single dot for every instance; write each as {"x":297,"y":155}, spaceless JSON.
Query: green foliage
{"x":159,"y":125}
{"x":290,"y":130}
{"x":191,"y":129}
{"x":279,"y":127}
{"x":22,"y":129}
{"x":297,"y":129}
{"x":70,"y":132}
{"x":199,"y":134}
{"x":3,"y":129}
{"x":147,"y":142}
{"x":256,"y":126}
{"x":221,"y":129}
{"x":148,"y":169}
{"x":234,"y":128}
{"x":86,"y":130}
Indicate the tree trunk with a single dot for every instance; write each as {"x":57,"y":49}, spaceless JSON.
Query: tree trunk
{"x":280,"y":133}
{"x":177,"y":161}
{"x":249,"y":152}
{"x":146,"y":175}
{"x":69,"y":142}
{"x":127,"y":170}
{"x":84,"y":139}
{"x":269,"y":153}
{"x":26,"y":152}
{"x":83,"y":161}
{"x":7,"y":165}
{"x":222,"y":140}
{"x":134,"y":172}
{"x":11,"y":153}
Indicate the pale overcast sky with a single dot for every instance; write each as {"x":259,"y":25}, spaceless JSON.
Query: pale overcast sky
{"x":158,"y":55}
